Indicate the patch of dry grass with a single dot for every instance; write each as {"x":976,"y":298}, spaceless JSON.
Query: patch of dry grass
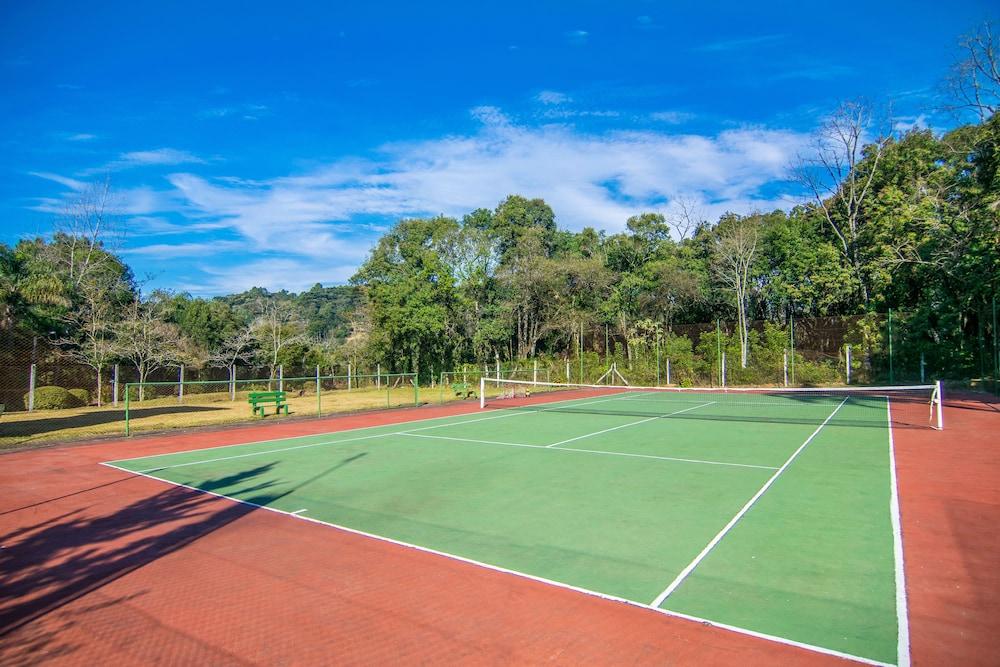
{"x":201,"y":409}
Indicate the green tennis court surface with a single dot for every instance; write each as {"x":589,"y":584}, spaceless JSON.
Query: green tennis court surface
{"x":690,"y":503}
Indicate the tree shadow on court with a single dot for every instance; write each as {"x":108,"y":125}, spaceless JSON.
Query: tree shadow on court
{"x":48,"y":564}
{"x":51,"y":563}
{"x":28,"y":428}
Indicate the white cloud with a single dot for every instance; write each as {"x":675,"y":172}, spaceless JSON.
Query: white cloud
{"x":318,"y":226}
{"x":740,"y":43}
{"x":552,"y":97}
{"x":577,"y":36}
{"x":70,"y":183}
{"x":156,"y":157}
{"x":176,"y":250}
{"x":671,"y":117}
{"x":276,"y":274}
{"x":81,"y":136}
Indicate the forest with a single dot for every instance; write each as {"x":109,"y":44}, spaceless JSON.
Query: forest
{"x":890,"y":220}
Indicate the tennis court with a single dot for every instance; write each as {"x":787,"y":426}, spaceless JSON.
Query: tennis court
{"x":769,"y":512}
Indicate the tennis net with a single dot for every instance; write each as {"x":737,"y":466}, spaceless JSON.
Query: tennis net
{"x":912,"y":406}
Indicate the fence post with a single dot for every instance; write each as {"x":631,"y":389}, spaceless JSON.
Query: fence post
{"x":281,"y":377}
{"x":848,"y":363}
{"x":497,"y":362}
{"x":31,"y":388}
{"x":579,"y":352}
{"x":996,"y":352}
{"x":668,"y":370}
{"x":723,"y":369}
{"x":128,"y":429}
{"x":718,"y":342}
{"x":319,"y":399}
{"x":534,"y":371}
{"x":658,"y":359}
{"x":180,"y":384}
{"x":784,"y":366}
{"x":892,"y":377}
{"x":378,"y":376}
{"x":791,"y":345}
{"x":348,"y":376}
{"x":922,"y":365}
{"x":114,"y":388}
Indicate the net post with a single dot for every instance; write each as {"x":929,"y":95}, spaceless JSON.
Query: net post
{"x":482,"y":392}
{"x":940,"y":406}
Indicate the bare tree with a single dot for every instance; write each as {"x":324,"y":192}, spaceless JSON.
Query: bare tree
{"x":92,"y":322}
{"x":146,"y":340}
{"x":238,"y":347}
{"x":88,"y":231}
{"x":276,"y":327}
{"x":974,"y":82}
{"x":735,"y":251}
{"x":687,"y":217}
{"x":834,"y":177}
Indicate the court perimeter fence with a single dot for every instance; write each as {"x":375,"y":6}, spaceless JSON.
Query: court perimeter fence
{"x":47,"y":396}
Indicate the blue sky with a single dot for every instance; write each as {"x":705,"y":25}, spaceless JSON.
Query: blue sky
{"x":271,"y":143}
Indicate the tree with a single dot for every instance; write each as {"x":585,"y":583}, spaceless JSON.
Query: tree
{"x":735,"y":252}
{"x":276,"y":328}
{"x":91,"y":323}
{"x":145,"y":339}
{"x":30,"y":293}
{"x":974,"y":82}
{"x":839,"y":187}
{"x":87,"y":233}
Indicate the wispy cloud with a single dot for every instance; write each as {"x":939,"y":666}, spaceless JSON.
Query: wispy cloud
{"x":81,"y":136}
{"x":552,"y":97}
{"x":739,"y":43}
{"x":71,"y":183}
{"x":178,"y":250}
{"x":578,"y":37}
{"x":671,"y":117}
{"x":157,"y":157}
{"x":816,"y":72}
{"x":241,"y":111}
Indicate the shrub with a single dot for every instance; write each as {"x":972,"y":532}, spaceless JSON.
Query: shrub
{"x":52,"y":398}
{"x":82,"y":397}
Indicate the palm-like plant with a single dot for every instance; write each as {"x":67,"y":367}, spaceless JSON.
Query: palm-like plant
{"x":26,"y":289}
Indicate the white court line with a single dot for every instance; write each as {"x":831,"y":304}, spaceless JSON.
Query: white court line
{"x":532,"y":577}
{"x":902,"y":621}
{"x":593,"y":451}
{"x":298,"y":512}
{"x":343,"y":440}
{"x":658,"y":600}
{"x":615,"y":428}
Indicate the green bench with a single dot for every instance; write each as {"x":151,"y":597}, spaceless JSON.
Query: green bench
{"x":259,"y":400}
{"x":463,"y":389}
